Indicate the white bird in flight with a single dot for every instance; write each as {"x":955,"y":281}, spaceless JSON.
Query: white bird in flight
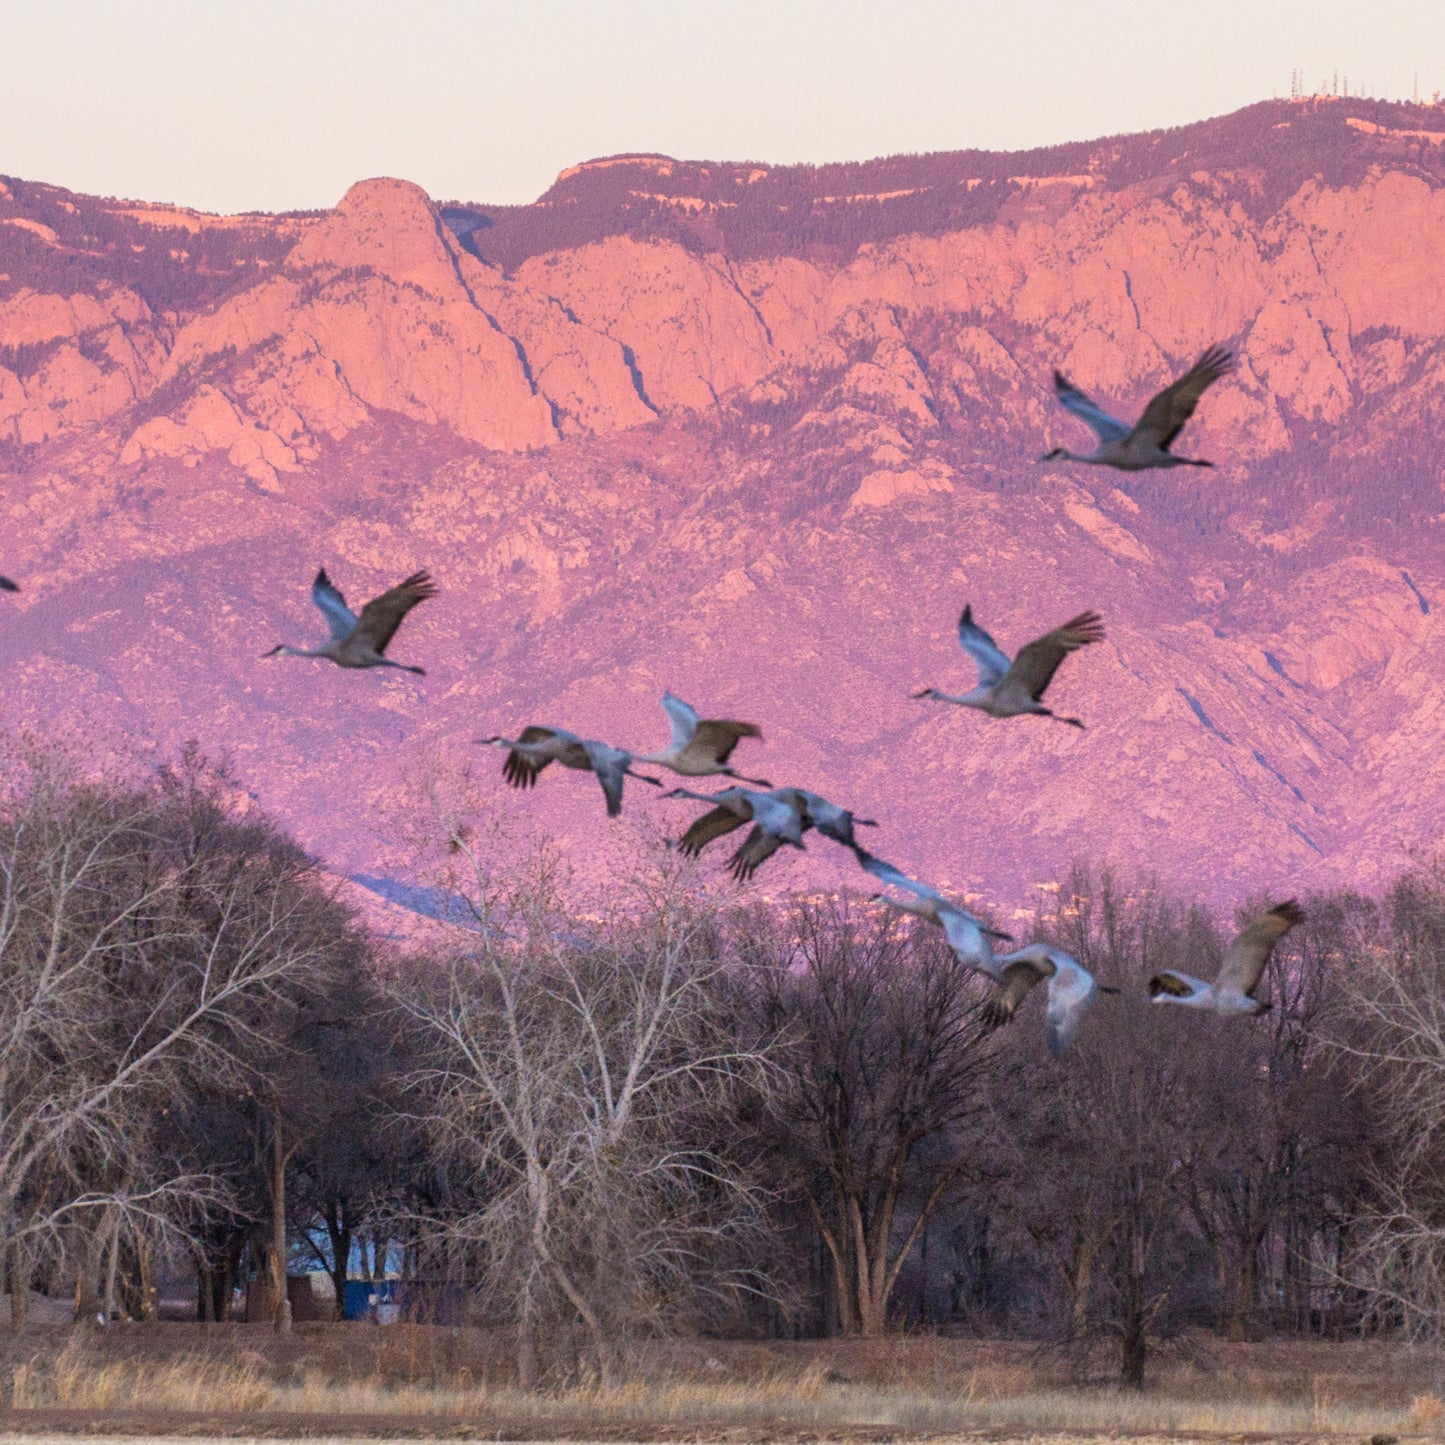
{"x":701,"y":746}
{"x":361,"y":641}
{"x":967,"y":935}
{"x":1146,"y":444}
{"x":1013,"y":688}
{"x":1071,"y":990}
{"x":538,"y":746}
{"x":1233,"y":989}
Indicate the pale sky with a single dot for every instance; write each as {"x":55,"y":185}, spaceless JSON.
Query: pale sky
{"x":281,"y":104}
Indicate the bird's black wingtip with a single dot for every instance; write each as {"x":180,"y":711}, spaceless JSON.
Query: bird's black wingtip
{"x":965,"y":618}
{"x":6,"y":585}
{"x":321,"y":579}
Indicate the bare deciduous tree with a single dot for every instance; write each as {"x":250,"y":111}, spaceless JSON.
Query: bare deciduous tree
{"x":1391,"y":964}
{"x":146,"y":935}
{"x":579,"y":1082}
{"x":878,"y":1057}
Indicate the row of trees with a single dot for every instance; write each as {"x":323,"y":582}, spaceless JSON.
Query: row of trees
{"x":681,"y":1112}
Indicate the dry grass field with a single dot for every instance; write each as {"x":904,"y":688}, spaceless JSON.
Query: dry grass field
{"x":410,"y":1382}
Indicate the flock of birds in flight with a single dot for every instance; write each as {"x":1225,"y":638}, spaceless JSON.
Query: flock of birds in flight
{"x":1006,"y":688}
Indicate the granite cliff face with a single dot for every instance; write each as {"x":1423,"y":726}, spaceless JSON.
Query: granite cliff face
{"x":755,"y":434}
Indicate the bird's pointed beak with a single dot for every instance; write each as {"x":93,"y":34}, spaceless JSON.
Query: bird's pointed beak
{"x":272,"y":652}
{"x":922,"y":692}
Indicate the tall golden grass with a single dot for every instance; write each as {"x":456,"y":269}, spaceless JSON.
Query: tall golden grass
{"x":810,"y":1400}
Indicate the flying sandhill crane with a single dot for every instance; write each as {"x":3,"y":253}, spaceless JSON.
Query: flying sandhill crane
{"x":538,"y":746}
{"x":967,"y":935}
{"x":701,"y":746}
{"x":1145,"y":444}
{"x":777,"y":817}
{"x":809,"y":809}
{"x":1232,"y":991}
{"x":1013,"y":689}
{"x":6,"y":585}
{"x":361,"y":641}
{"x":1071,"y":990}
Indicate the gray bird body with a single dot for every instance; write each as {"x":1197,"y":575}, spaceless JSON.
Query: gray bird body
{"x":1146,"y":444}
{"x":361,"y":641}
{"x":1014,"y":687}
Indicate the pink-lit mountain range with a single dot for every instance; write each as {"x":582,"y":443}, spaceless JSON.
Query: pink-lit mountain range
{"x":755,"y":434}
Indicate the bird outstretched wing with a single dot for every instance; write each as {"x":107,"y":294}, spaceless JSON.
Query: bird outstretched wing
{"x":1166,"y":413}
{"x":1034,"y":668}
{"x":610,"y":764}
{"x":682,"y":718}
{"x":1013,"y":988}
{"x":1108,"y":428}
{"x":521,"y":769}
{"x":713,"y":824}
{"x":756,"y":849}
{"x":1071,"y":991}
{"x":1247,"y":955}
{"x":991,"y":662}
{"x":339,"y":617}
{"x":382,"y":615}
{"x":716,"y":737}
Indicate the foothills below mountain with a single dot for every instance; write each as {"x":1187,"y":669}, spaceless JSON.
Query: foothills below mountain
{"x":755,"y":434}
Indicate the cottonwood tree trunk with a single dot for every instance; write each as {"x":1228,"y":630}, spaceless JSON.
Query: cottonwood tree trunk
{"x":1246,"y":1290}
{"x":338,"y":1231}
{"x":146,"y":1280}
{"x":112,"y":1271}
{"x":1079,"y":1276}
{"x":18,"y":1260}
{"x":88,"y":1302}
{"x":282,"y":1316}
